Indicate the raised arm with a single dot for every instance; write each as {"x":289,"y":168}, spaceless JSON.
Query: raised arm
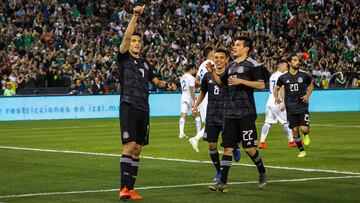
{"x":216,"y":78}
{"x":125,"y":44}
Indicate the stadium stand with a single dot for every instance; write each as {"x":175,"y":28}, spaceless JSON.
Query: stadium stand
{"x":66,"y":44}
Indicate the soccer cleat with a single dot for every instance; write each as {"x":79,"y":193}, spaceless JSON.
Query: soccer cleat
{"x":262,"y":180}
{"x":302,"y":154}
{"x":292,"y":144}
{"x":217,"y":177}
{"x":306,"y":140}
{"x":182,"y":136}
{"x":124,"y":194}
{"x":194,"y":143}
{"x":218,"y":187}
{"x":135,"y":196}
{"x":236,"y":155}
{"x":262,"y":145}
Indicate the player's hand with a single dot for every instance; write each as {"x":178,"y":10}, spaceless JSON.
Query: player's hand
{"x":277,"y":100}
{"x":283,"y":107}
{"x":232,"y":81}
{"x":194,"y":111}
{"x":305,"y":98}
{"x":138,"y":10}
{"x":210,"y":67}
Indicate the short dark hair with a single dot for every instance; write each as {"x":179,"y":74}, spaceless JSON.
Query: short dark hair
{"x":247,"y":42}
{"x":282,"y":61}
{"x":189,"y":67}
{"x":222,"y":50}
{"x":206,"y":51}
{"x":137,"y":34}
{"x":291,"y":56}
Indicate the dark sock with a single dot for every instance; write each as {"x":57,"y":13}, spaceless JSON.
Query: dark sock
{"x":214,"y":154}
{"x":298,"y":143}
{"x":134,"y":172}
{"x":225,"y":166}
{"x":125,"y":169}
{"x":258,"y":162}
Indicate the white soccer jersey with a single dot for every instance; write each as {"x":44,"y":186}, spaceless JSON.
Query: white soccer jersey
{"x":187,"y":81}
{"x":202,"y":69}
{"x":201,"y":72}
{"x":273,"y":111}
{"x":272,"y":83}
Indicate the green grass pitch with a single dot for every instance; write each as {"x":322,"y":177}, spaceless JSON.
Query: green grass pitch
{"x":170,"y":170}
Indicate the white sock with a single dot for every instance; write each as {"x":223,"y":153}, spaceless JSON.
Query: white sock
{"x":264,"y":132}
{"x":200,"y":134}
{"x":198,"y":124}
{"x":288,"y":132}
{"x":182,"y":125}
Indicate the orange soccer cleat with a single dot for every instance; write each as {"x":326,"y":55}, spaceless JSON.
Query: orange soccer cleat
{"x":262,"y":145}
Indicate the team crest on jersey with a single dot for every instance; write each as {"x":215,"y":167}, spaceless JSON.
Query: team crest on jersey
{"x":211,"y":82}
{"x":300,"y":80}
{"x":287,"y":81}
{"x":240,"y":69}
{"x":146,"y":66}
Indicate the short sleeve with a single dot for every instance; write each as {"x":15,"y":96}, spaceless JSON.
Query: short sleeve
{"x":308,"y":79}
{"x":280,"y":82}
{"x":256,"y":74}
{"x":192,"y":81}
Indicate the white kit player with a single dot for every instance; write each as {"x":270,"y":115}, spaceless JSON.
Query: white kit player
{"x":187,"y":98}
{"x":276,"y":112}
{"x":209,"y":55}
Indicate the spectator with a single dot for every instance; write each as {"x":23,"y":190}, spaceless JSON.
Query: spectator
{"x":10,"y":89}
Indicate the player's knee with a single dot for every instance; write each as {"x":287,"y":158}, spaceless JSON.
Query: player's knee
{"x":305,"y":129}
{"x":228,"y":151}
{"x":295,"y":131}
{"x":137,"y":150}
{"x":250,"y":151}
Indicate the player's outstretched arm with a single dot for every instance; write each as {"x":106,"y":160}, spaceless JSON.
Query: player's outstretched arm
{"x":232,"y":81}
{"x":164,"y":85}
{"x":125,"y":44}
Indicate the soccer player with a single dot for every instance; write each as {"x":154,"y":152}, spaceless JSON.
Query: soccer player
{"x":134,"y":74}
{"x":298,"y":88}
{"x":215,"y":108}
{"x":276,"y":112}
{"x":242,"y":76}
{"x":209,"y":55}
{"x":194,"y":141}
{"x":187,"y":82}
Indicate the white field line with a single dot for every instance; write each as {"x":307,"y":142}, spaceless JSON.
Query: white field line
{"x":177,"y":160}
{"x":153,"y":124}
{"x":175,"y":186}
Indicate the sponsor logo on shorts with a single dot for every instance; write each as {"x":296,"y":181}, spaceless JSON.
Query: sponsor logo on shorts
{"x":205,"y":135}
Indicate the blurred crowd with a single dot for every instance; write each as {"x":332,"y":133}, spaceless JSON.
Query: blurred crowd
{"x":74,"y":43}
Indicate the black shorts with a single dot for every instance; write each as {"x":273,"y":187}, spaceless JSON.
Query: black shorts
{"x":134,"y":125}
{"x":212,"y":133}
{"x":298,"y":120}
{"x":239,"y":130}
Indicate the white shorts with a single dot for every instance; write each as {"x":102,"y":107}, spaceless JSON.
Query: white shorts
{"x":186,"y":106}
{"x":274,"y":114}
{"x":203,"y":108}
